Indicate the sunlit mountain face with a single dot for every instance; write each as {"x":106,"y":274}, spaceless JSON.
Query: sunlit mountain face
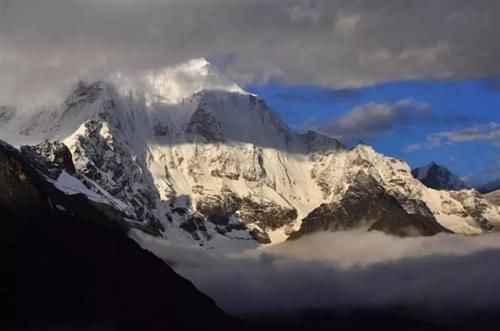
{"x":250,"y":165}
{"x":447,"y":122}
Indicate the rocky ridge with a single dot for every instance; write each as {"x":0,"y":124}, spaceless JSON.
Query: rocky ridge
{"x":218,"y":168}
{"x":68,"y":263}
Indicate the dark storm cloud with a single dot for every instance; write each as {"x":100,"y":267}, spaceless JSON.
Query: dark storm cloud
{"x":345,"y":269}
{"x":333,"y":44}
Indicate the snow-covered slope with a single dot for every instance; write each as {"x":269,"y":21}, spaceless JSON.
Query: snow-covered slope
{"x":195,"y":158}
{"x":494,"y":197}
{"x":438,"y":177}
{"x":454,"y":210}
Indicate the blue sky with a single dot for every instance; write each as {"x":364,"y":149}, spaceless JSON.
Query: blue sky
{"x":451,"y":122}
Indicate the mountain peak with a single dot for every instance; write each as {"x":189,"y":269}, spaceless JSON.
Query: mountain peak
{"x":434,"y":164}
{"x":316,"y":141}
{"x":423,"y":171}
{"x":438,"y":177}
{"x":175,"y":83}
{"x":198,"y":66}
{"x":199,"y":61}
{"x":362,"y":147}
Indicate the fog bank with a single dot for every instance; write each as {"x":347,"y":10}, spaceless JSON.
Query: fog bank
{"x":344,"y":269}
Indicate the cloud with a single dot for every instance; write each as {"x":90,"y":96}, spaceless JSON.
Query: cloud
{"x":328,"y":270}
{"x":333,"y":44}
{"x":489,"y":133}
{"x":412,"y":148}
{"x":319,"y":95}
{"x":482,"y":132}
{"x":376,"y":119}
{"x":347,"y":23}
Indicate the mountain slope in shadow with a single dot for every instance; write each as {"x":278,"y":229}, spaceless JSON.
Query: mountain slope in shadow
{"x":69,"y":265}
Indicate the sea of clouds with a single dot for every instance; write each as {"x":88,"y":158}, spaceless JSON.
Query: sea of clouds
{"x":344,"y":269}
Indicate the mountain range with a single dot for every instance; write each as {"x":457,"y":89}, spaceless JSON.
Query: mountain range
{"x":186,"y":154}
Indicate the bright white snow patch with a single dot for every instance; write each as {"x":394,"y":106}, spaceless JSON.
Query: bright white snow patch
{"x":71,"y":185}
{"x":60,"y":208}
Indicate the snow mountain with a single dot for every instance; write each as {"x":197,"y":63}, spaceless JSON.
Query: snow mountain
{"x":186,"y":154}
{"x":438,"y":177}
{"x":491,"y":186}
{"x":494,"y":197}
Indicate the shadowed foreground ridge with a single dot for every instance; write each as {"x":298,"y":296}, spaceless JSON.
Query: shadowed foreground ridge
{"x":68,"y":265}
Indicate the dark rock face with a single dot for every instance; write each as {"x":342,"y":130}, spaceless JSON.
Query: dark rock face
{"x":268,"y":116}
{"x":50,"y":157}
{"x":18,"y":192}
{"x":260,"y":236}
{"x":366,"y":204}
{"x":489,"y":187}
{"x":218,"y":209}
{"x":316,"y":142}
{"x":259,"y":216}
{"x":6,"y":114}
{"x":161,"y":130}
{"x":265,"y":215}
{"x":257,"y":171}
{"x":205,"y":125}
{"x":195,"y":224}
{"x":475,"y":206}
{"x":67,"y":265}
{"x":439,"y":178}
{"x":105,"y":156}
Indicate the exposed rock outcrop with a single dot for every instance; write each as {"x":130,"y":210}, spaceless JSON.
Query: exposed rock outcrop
{"x":366,"y":205}
{"x":50,"y":157}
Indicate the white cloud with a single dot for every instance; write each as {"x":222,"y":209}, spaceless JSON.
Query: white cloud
{"x":483,"y":132}
{"x":347,"y":23}
{"x":376,"y":119}
{"x":426,"y":55}
{"x":489,"y":133}
{"x":412,"y":148}
{"x":345,"y":268}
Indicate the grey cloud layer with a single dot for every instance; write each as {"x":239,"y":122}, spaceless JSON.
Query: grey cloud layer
{"x":343,"y":269}
{"x":327,"y":43}
{"x":375,"y":119}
